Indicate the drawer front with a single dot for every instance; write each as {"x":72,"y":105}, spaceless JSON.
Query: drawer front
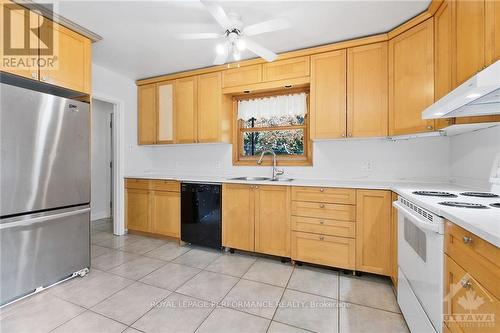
{"x":166,"y":185}
{"x":324,"y":226}
{"x":468,"y":306}
{"x":140,"y":184}
{"x":323,"y":250}
{"x":324,"y":194}
{"x":241,"y":76}
{"x":286,"y":69}
{"x":324,"y":210}
{"x":478,"y":257}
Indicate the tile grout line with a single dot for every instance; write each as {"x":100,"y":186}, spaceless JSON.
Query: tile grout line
{"x":281,"y":298}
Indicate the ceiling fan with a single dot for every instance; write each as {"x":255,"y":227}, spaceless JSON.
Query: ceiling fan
{"x":236,"y":36}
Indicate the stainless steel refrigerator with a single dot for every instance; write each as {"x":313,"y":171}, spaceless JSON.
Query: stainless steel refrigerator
{"x":45,"y":190}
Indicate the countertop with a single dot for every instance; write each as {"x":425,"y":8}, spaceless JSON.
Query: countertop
{"x":484,"y":223}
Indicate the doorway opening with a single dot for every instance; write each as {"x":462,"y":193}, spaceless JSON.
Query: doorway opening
{"x":102,"y":167}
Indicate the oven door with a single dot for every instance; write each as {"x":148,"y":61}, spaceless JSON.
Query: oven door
{"x":420,"y":258}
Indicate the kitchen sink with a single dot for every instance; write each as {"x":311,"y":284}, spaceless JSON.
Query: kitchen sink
{"x":282,"y":180}
{"x":259,"y":179}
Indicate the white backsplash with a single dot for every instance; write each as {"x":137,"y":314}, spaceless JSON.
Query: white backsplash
{"x":423,"y":159}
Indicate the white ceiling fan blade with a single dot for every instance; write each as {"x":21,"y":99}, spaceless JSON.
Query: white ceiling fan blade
{"x":220,"y":59}
{"x":266,"y":26}
{"x":218,"y":13}
{"x":260,"y":50}
{"x":201,"y":35}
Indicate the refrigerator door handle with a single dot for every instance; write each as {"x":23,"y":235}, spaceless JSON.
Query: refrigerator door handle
{"x":41,"y":219}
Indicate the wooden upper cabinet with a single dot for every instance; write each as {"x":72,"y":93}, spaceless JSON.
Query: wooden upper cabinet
{"x":165,"y":219}
{"x":373,"y":226}
{"x":18,"y":17}
{"x":146,"y":114}
{"x":73,"y":51}
{"x":286,"y":69}
{"x":186,"y":102}
{"x":470,"y":38}
{"x":238,"y":216}
{"x":411,"y":79}
{"x":444,"y":32}
{"x":210,"y":107}
{"x":242,"y":76}
{"x":492,"y":19}
{"x":328,"y":95}
{"x":272,"y":220}
{"x":367,"y":90}
{"x":165,"y":112}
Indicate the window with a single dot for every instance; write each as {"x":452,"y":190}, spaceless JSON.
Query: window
{"x":272,"y":122}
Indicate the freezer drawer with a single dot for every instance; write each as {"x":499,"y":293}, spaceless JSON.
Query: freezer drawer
{"x":42,"y":250}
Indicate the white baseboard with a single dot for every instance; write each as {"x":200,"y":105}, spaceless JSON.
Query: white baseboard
{"x":99,"y":215}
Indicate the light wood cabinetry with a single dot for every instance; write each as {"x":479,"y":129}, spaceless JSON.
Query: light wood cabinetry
{"x":367,"y":90}
{"x":146,"y":114}
{"x":492,"y":19}
{"x":153,"y":206}
{"x":186,"y":104}
{"x":394,"y":243}
{"x":443,"y":49}
{"x":286,"y":69}
{"x":411,"y":79}
{"x":238,"y":209}
{"x":165,"y":115}
{"x":241,"y":76}
{"x":256,"y":218}
{"x":324,"y":195}
{"x":66,"y":65}
{"x":328,"y":95}
{"x":272,"y":220}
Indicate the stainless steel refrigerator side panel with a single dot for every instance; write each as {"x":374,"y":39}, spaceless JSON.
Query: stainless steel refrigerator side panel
{"x":45,"y":151}
{"x":42,"y":250}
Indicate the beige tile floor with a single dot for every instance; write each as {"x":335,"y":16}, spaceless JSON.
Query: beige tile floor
{"x":141,"y":284}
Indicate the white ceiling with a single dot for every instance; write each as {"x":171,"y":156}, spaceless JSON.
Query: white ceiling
{"x":139,"y":36}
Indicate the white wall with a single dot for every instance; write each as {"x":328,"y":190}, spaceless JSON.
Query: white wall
{"x":472,"y":155}
{"x":101,"y":157}
{"x":375,"y":159}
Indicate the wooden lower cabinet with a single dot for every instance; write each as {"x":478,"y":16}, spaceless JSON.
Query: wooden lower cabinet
{"x":153,"y":206}
{"x":238,"y":228}
{"x":272,"y":220}
{"x":323,"y":250}
{"x":373,"y":226}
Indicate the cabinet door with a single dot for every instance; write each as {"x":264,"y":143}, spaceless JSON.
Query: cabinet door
{"x":373,"y":225}
{"x":146,"y":114}
{"x":209,"y":107}
{"x":394,"y":242}
{"x":411,"y":79}
{"x":18,"y":16}
{"x":166,"y":208}
{"x":242,"y":76}
{"x":238,"y":216}
{"x":186,"y":109}
{"x":73,"y":51}
{"x":328,"y":95}
{"x":272,"y":220}
{"x":470,"y":38}
{"x":137,"y":209}
{"x":286,"y":69}
{"x":165,"y":116}
{"x":492,"y":9}
{"x":367,"y":91}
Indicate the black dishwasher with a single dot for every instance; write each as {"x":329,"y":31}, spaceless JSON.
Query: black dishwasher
{"x":201,"y":214}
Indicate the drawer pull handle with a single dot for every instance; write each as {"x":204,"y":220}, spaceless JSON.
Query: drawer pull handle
{"x":467,"y":240}
{"x":465,"y":284}
{"x":321,"y":206}
{"x":322,"y":190}
{"x":321,"y":222}
{"x":321,"y":238}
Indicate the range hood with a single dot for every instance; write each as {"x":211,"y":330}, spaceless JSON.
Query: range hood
{"x":478,"y":96}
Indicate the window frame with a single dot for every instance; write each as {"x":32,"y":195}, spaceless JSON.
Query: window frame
{"x":238,"y":159}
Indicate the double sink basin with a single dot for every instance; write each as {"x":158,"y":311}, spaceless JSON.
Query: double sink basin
{"x":262,"y":179}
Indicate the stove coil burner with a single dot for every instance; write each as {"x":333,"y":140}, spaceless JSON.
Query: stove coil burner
{"x":462,"y":204}
{"x":496,"y":205}
{"x":435,"y":194}
{"x":480,"y":194}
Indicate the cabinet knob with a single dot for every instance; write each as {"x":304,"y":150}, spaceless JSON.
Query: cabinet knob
{"x":322,"y":190}
{"x":256,"y":186}
{"x":45,"y":78}
{"x":349,"y":135}
{"x":321,"y":222}
{"x":343,"y":135}
{"x":321,"y":238}
{"x":430,"y":127}
{"x":322,"y":206}
{"x":465,"y":284}
{"x":467,"y":240}
{"x":34,"y":75}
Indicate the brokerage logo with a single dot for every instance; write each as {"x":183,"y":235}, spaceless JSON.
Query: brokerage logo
{"x":29,"y":41}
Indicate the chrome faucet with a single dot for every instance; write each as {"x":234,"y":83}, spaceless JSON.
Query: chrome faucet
{"x":276,"y":172}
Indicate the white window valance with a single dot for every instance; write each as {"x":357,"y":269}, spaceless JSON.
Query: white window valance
{"x":274,"y":106}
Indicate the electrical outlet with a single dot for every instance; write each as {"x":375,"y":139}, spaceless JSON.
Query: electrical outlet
{"x":218,"y":165}
{"x":368,"y":166}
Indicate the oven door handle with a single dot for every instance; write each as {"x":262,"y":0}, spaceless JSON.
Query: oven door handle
{"x":415,"y":219}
